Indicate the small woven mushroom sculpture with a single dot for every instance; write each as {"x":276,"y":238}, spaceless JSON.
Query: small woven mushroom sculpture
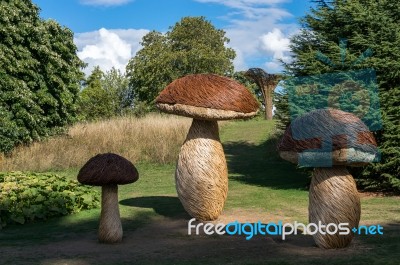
{"x":108,"y":171}
{"x":329,"y":140}
{"x":201,"y":174}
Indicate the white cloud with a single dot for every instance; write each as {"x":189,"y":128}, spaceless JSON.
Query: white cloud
{"x":105,"y":2}
{"x":239,"y":61}
{"x":254,"y":27}
{"x":272,"y":67}
{"x":276,"y":43}
{"x":245,"y":4}
{"x":108,"y":48}
{"x":249,"y":29}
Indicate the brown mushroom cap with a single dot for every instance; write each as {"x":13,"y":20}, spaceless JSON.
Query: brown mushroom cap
{"x":326,"y":133}
{"x":207,"y":97}
{"x":107,"y":169}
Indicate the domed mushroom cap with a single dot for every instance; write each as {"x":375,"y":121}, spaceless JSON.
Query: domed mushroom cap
{"x":106,"y":169}
{"x":326,"y":137}
{"x":207,"y":97}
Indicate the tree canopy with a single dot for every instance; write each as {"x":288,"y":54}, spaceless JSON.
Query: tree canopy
{"x":193,"y":45}
{"x":39,"y":74}
{"x":104,"y":95}
{"x":340,"y":36}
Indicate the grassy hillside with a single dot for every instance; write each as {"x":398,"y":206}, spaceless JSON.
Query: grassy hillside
{"x":155,"y":138}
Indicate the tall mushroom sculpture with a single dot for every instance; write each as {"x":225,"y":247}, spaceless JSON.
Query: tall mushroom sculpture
{"x":329,"y":140}
{"x":201,"y":174}
{"x":108,"y":171}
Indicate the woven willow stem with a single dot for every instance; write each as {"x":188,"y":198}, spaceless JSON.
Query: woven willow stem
{"x":201,"y":174}
{"x":333,"y":198}
{"x":110,"y":228}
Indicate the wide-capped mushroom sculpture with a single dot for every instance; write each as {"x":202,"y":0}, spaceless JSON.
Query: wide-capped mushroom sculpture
{"x":108,"y":171}
{"x":329,"y":140}
{"x":201,"y":173}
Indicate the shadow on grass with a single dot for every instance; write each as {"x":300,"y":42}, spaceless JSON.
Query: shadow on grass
{"x":82,"y":225}
{"x":261,"y":165}
{"x":163,"y":205}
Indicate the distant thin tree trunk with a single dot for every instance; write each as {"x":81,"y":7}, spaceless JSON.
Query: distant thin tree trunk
{"x":266,"y":83}
{"x":268,"y":90}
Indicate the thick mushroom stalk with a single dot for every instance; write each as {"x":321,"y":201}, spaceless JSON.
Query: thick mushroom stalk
{"x":201,"y":173}
{"x":333,"y":198}
{"x":110,"y":227}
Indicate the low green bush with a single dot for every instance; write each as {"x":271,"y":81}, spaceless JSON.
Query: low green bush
{"x":31,"y":196}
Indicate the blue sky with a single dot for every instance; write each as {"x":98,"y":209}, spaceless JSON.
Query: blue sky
{"x":108,"y":32}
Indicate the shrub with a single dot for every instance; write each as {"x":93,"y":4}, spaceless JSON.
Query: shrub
{"x":33,"y":196}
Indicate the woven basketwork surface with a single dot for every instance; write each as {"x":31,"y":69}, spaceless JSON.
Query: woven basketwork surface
{"x":333,"y":198}
{"x":201,"y":174}
{"x":328,"y":134}
{"x":209,"y":91}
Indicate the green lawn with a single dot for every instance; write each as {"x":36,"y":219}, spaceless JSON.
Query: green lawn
{"x":261,"y":185}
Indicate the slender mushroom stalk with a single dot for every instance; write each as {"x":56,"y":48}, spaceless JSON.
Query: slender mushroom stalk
{"x":108,"y":171}
{"x":201,"y":174}
{"x":110,"y":227}
{"x":329,"y":140}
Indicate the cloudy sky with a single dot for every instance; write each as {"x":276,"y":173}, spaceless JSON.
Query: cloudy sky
{"x":108,"y":32}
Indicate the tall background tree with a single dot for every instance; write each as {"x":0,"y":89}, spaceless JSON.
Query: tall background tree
{"x":104,"y":95}
{"x":365,"y":24}
{"x":193,"y":45}
{"x":39,"y":75}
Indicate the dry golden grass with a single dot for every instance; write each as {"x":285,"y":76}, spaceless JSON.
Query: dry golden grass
{"x":154,"y":138}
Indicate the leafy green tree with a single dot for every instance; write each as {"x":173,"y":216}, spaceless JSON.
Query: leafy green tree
{"x":199,"y":47}
{"x":366,"y":24}
{"x":193,"y":45}
{"x":104,"y":95}
{"x":281,"y":102}
{"x":95,"y":102}
{"x":8,"y":131}
{"x":117,"y":85}
{"x":39,"y":75}
{"x":249,"y":83}
{"x":151,"y":68}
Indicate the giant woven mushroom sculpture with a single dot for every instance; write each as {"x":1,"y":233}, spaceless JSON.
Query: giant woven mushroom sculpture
{"x":329,"y":140}
{"x":108,"y":171}
{"x":201,"y":174}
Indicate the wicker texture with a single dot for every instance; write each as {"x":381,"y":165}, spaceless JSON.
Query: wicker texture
{"x":203,"y":113}
{"x":106,"y":169}
{"x":110,"y":227}
{"x":346,"y":157}
{"x":201,"y":174}
{"x":266,"y":83}
{"x":333,"y":198}
{"x":207,"y":91}
{"x":334,"y":132}
{"x":345,"y":140}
